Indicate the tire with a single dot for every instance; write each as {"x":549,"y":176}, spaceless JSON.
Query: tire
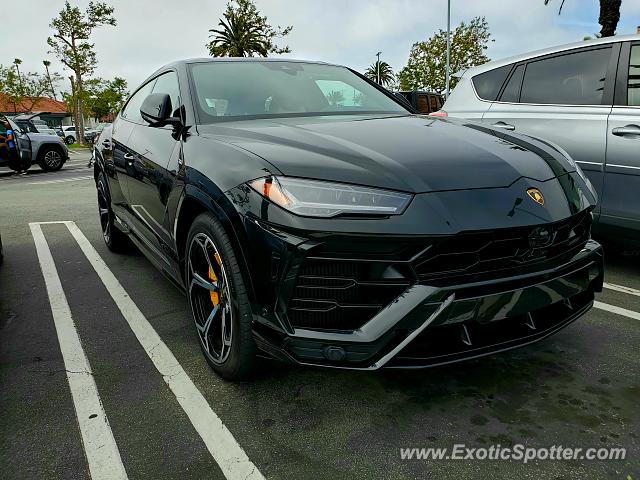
{"x":50,"y":158}
{"x":69,"y":139}
{"x":218,"y":300}
{"x":116,"y":240}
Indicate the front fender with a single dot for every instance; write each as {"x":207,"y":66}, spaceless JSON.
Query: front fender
{"x":200,"y":195}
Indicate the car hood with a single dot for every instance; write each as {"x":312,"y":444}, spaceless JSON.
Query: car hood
{"x":410,"y":153}
{"x":45,"y":137}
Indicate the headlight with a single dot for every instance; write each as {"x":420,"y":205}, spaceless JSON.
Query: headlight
{"x":315,"y":198}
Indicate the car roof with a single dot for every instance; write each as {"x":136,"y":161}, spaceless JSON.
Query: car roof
{"x":188,"y":61}
{"x":545,"y":51}
{"x":250,"y":59}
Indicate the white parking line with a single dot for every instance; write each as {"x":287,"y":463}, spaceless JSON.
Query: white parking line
{"x":100,"y":447}
{"x":617,"y":310}
{"x":224,"y":448}
{"x":622,"y":288}
{"x":62,"y":180}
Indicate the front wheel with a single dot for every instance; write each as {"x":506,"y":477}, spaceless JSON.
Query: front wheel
{"x":218,"y":299}
{"x":51,"y":159}
{"x":114,"y":238}
{"x":69,"y":139}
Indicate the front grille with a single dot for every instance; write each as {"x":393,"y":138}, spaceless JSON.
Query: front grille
{"x":452,"y":342}
{"x":340,"y":295}
{"x":485,"y":255}
{"x":343,"y":283}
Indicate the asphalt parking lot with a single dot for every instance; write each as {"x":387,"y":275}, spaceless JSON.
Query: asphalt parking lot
{"x":166,"y":415}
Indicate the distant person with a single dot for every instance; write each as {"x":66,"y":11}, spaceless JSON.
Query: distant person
{"x":14,"y":158}
{"x":4,"y":148}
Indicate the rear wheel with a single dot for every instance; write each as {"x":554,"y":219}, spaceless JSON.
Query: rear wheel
{"x":50,"y":158}
{"x":218,"y":299}
{"x":114,"y":238}
{"x":69,"y":139}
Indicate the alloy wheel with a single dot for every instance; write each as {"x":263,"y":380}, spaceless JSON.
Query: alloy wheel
{"x":52,"y":158}
{"x":209,"y":297}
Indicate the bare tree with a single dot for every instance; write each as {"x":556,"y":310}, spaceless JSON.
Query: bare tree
{"x":70,"y":43}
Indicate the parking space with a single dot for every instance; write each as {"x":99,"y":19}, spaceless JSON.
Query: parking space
{"x":160,"y":412}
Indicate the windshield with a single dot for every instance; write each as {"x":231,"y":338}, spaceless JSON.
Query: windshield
{"x":242,"y":90}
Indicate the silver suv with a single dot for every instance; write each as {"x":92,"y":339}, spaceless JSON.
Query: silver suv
{"x":48,"y":151}
{"x":583,"y":97}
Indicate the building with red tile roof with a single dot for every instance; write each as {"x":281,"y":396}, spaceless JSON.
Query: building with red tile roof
{"x":56,"y":110}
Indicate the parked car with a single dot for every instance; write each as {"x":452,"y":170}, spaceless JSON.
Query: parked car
{"x":423,"y":102}
{"x":583,"y":97}
{"x":346,"y":234}
{"x":40,"y":126}
{"x":48,"y":151}
{"x":70,"y":134}
{"x":91,"y":134}
{"x":47,"y":130}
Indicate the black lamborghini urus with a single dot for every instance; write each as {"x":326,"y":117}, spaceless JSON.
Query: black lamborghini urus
{"x":311,"y":216}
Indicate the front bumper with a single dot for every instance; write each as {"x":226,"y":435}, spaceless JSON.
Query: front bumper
{"x":428,"y":325}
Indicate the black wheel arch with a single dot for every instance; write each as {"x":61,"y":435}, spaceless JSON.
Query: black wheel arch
{"x":195,"y":201}
{"x":51,"y":146}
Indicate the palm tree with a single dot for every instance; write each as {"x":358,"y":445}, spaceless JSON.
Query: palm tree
{"x":17,"y":62}
{"x":46,"y":64}
{"x":237,"y":36}
{"x":381,"y":73}
{"x":335,"y":97}
{"x":609,"y":16}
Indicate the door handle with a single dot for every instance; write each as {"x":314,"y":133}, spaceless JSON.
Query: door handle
{"x":129,"y":158}
{"x":626,"y":130}
{"x":106,"y":142}
{"x":504,"y":126}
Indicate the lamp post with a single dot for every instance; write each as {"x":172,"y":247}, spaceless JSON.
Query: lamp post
{"x":378,"y":68}
{"x":448,"y":46}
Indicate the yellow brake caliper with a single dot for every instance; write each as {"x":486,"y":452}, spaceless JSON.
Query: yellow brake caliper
{"x":212,"y":276}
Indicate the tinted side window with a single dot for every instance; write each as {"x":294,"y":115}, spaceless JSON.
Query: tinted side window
{"x":132,"y":108}
{"x":572,"y":79}
{"x":423,"y":104}
{"x":633,"y":84}
{"x":168,"y":83}
{"x":488,"y":84}
{"x":511,"y":92}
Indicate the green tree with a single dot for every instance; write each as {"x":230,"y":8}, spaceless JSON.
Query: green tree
{"x":23,"y":91}
{"x":608,"y":18}
{"x":117,"y":94}
{"x":243,"y":32}
{"x":383,"y":69}
{"x":71,"y":44}
{"x":426,"y":68}
{"x":101,"y":98}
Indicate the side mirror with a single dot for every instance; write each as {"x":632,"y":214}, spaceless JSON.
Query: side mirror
{"x":156,"y":109}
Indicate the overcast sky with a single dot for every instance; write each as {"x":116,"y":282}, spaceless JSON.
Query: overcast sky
{"x":151,"y":33}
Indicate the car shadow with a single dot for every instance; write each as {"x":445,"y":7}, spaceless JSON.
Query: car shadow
{"x":538,"y":394}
